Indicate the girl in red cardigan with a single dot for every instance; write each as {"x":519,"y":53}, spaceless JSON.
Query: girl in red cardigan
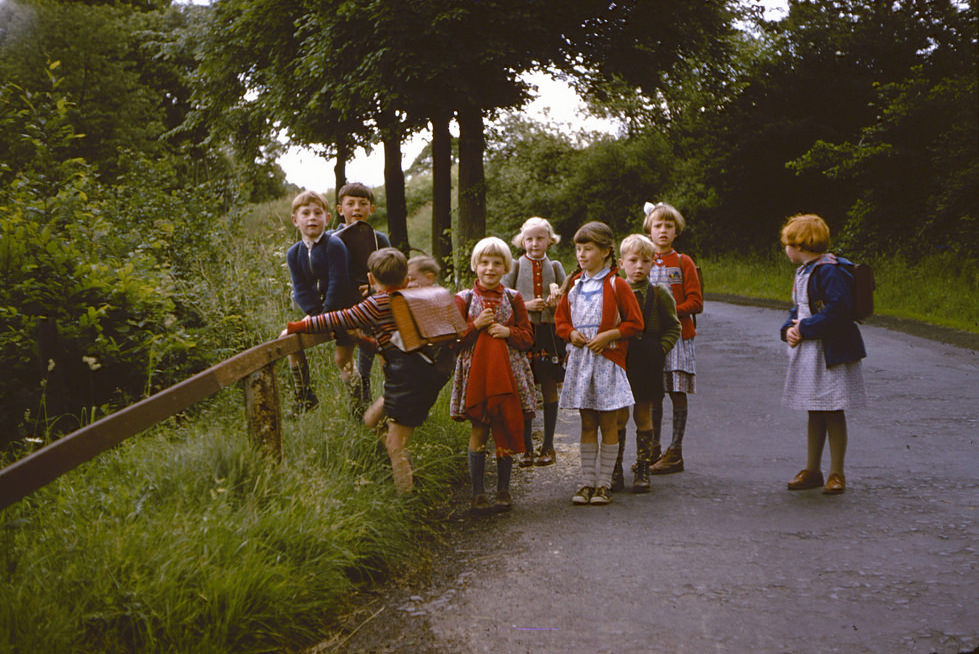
{"x":596,"y":316}
{"x":663,"y":224}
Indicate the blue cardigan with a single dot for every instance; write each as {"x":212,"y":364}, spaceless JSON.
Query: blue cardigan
{"x":831,"y":305}
{"x":320,"y":281}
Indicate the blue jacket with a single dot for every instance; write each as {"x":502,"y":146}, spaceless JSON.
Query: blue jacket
{"x":831,"y":305}
{"x":320,"y":281}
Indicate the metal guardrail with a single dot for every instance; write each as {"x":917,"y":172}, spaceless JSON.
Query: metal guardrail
{"x":256,"y":366}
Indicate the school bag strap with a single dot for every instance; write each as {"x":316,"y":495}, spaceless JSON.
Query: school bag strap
{"x":864,"y":284}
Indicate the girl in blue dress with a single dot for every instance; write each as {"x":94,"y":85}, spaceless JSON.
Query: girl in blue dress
{"x":596,"y":315}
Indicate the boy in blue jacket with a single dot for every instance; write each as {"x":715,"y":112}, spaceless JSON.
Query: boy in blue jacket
{"x":320,"y":280}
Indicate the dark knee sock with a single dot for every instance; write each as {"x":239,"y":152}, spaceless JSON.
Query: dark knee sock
{"x":477,"y":470}
{"x":528,"y":434}
{"x":679,"y":425}
{"x":550,"y":422}
{"x":644,"y":439}
{"x":621,"y":452}
{"x":504,"y":464}
{"x":657,"y":423}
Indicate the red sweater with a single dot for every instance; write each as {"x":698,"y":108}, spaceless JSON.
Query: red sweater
{"x":618,"y":302}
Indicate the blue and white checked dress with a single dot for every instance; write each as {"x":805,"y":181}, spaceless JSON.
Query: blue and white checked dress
{"x":592,"y":381}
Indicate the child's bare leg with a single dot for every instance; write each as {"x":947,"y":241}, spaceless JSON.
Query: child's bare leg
{"x":642,"y":414}
{"x":343,"y":356}
{"x":396,"y":442}
{"x":374,"y":413}
{"x":477,"y":464}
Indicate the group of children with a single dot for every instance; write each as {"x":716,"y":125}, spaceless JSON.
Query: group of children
{"x":592,"y":341}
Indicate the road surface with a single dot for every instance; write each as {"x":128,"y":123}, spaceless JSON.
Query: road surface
{"x":721,"y":557}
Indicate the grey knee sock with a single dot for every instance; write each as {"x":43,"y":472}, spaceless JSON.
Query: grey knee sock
{"x":679,"y":426}
{"x":607,"y":463}
{"x":589,"y":454}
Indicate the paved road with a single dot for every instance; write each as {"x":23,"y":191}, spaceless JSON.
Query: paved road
{"x":721,"y":558}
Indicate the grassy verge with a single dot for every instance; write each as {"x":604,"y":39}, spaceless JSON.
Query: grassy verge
{"x":184,"y":539}
{"x":940,"y":290}
{"x":187,"y":540}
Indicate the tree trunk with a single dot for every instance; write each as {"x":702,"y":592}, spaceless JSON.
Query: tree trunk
{"x":340,"y":169}
{"x":394,"y":185}
{"x":442,"y":193}
{"x":472,"y":183}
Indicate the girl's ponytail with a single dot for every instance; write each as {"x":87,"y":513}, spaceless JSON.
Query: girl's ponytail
{"x":566,"y":284}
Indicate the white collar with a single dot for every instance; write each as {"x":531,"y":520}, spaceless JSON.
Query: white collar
{"x":310,"y":244}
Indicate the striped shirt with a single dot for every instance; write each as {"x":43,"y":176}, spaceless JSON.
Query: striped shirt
{"x":373,"y":314}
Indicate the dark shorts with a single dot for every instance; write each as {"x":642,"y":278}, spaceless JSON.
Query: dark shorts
{"x":644,"y":368}
{"x":411,"y":386}
{"x":343,"y":337}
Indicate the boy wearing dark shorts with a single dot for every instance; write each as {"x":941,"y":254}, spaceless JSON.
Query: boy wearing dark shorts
{"x":644,"y":362}
{"x":411,"y":383}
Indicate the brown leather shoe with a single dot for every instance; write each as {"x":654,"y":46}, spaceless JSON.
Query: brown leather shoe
{"x":671,"y":461}
{"x":480,"y":503}
{"x":527,"y":459}
{"x":503,"y":501}
{"x":835,"y":485}
{"x":805,"y":480}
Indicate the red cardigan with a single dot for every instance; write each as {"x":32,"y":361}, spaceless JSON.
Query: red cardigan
{"x":689,"y":299}
{"x":618,"y":303}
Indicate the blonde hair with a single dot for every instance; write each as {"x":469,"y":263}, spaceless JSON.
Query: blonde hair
{"x":533,"y":223}
{"x":807,"y":232}
{"x":638,"y":244}
{"x":663,"y":211}
{"x":309,"y":197}
{"x":491,"y":246}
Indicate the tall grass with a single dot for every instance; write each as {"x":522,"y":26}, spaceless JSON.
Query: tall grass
{"x":188,"y":540}
{"x":185,"y":539}
{"x":939,"y":289}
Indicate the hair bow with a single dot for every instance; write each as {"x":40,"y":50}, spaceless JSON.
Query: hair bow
{"x":649,"y":206}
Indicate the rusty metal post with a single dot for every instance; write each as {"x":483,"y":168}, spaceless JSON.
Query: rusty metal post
{"x":262,"y":408}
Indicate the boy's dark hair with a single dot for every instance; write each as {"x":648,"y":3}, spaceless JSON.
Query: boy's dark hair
{"x":355,"y":189}
{"x":425,"y":264}
{"x":388,"y":265}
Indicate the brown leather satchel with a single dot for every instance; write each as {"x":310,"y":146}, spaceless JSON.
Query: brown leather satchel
{"x":425,"y":316}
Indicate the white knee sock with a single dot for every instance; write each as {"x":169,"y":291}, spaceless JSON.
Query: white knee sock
{"x":589,"y":456}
